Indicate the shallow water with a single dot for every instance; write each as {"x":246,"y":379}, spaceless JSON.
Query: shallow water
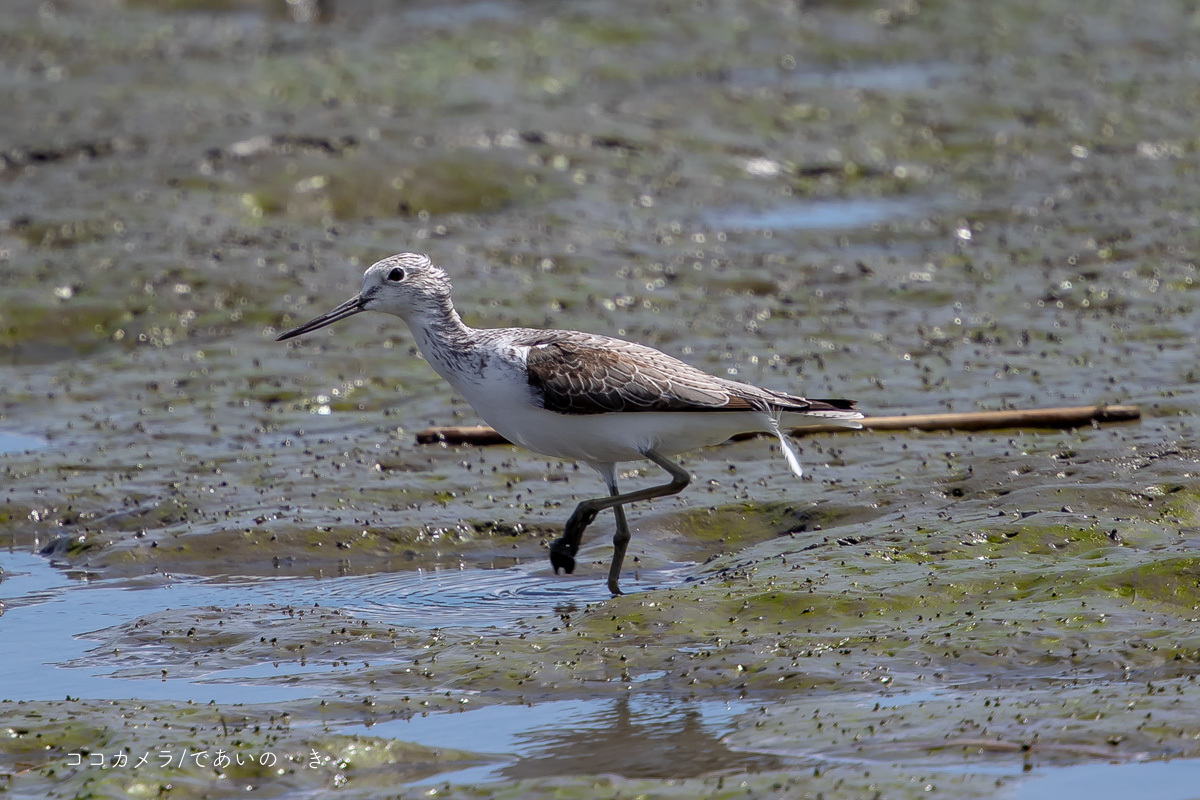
{"x":642,"y":736}
{"x":827,"y":215}
{"x":1170,"y":780}
{"x":52,"y":614}
{"x":638,"y":735}
{"x":19,"y":442}
{"x":59,"y":615}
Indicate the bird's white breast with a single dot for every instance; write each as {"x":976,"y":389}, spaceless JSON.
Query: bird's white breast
{"x":498,"y":389}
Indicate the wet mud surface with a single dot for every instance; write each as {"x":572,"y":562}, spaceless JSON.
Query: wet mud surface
{"x":214,"y":542}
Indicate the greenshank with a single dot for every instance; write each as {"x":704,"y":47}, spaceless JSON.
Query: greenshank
{"x":580,"y":396}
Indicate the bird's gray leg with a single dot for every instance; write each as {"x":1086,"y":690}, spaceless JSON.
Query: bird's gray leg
{"x":621,"y":537}
{"x":563,"y":549}
{"x":620,"y":542}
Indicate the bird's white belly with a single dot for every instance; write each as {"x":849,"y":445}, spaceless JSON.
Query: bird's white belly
{"x":620,"y":436}
{"x":506,"y":403}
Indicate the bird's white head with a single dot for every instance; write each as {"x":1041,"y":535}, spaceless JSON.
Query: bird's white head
{"x":406,"y":285}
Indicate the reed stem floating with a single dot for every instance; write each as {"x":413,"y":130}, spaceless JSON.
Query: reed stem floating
{"x":1055,"y":418}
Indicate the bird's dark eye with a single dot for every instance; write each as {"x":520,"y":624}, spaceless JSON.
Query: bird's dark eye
{"x":396,"y":275}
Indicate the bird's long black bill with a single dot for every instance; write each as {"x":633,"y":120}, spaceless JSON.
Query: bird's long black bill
{"x":347,"y":309}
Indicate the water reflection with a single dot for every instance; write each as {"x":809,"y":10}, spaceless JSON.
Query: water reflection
{"x":642,"y":735}
{"x":645,"y":736}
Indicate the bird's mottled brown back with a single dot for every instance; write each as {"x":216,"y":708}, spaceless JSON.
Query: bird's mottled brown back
{"x":580,"y":373}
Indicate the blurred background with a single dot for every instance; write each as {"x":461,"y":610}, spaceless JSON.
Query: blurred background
{"x":924,"y":206}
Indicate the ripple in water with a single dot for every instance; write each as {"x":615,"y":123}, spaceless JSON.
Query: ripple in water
{"x":466,"y":597}
{"x":53,"y":615}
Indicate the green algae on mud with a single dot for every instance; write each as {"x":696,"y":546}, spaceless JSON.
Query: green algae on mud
{"x":196,"y":751}
{"x":133,"y":748}
{"x":969,"y":743}
{"x":366,"y":186}
{"x":813,"y":609}
{"x":1046,"y":726}
{"x":303,"y":549}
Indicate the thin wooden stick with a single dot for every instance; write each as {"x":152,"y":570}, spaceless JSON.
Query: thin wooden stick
{"x":1056,"y":418}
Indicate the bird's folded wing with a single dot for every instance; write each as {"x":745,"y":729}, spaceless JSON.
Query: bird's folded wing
{"x":597,"y":375}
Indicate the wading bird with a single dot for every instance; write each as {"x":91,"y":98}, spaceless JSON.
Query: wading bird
{"x":579,"y":396}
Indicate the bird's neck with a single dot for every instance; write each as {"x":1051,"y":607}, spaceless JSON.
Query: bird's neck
{"x":447,"y":342}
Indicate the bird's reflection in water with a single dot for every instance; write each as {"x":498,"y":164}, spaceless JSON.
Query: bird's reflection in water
{"x":638,"y":738}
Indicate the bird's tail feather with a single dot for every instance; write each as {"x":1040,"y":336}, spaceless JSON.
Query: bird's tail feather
{"x":788,"y":452}
{"x":841,"y":419}
{"x":845,"y":419}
